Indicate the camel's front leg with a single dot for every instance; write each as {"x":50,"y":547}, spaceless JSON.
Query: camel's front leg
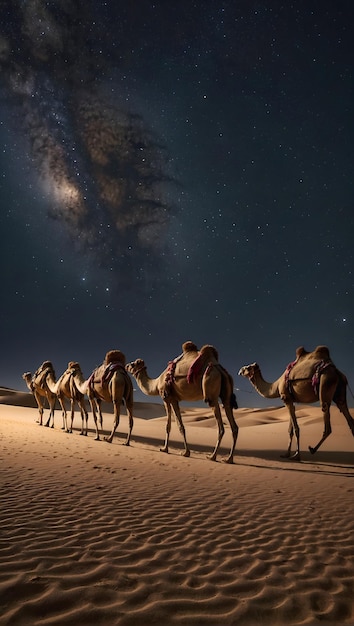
{"x":221,"y":431}
{"x":177,"y":412}
{"x":168,"y":427}
{"x":116,"y":406}
{"x":327,"y":427}
{"x":293,"y":427}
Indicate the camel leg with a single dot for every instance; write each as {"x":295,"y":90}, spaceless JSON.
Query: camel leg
{"x":84,"y":418}
{"x":63,"y":413}
{"x":40,"y":408}
{"x":344,"y":409}
{"x":116,"y":406}
{"x":131,"y":422}
{"x":94,"y":413}
{"x":221,"y":431}
{"x":72,"y":414}
{"x":177,"y":412}
{"x":293,"y":427}
{"x":168,"y":427}
{"x":234,"y":431}
{"x":51,"y":413}
{"x":327,"y":427}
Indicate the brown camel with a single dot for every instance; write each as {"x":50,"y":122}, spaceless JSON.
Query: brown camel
{"x":37,"y":384}
{"x":311,"y":377}
{"x":110,"y":383}
{"x":65,"y":388}
{"x":191,"y":376}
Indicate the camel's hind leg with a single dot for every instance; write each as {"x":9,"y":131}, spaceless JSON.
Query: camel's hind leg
{"x":131,"y":422}
{"x":94,"y":409}
{"x":221,"y":431}
{"x":116,"y":406}
{"x":84,"y":417}
{"x":234,"y":431}
{"x":327,"y":427}
{"x":51,"y":403}
{"x":342,"y":406}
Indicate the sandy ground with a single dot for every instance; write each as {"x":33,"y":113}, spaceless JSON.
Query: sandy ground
{"x":104,"y":534}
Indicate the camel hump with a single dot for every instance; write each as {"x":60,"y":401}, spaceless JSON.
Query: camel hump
{"x":209,"y":352}
{"x":300,"y":351}
{"x":322,"y":352}
{"x":114,"y":356}
{"x":189,"y":346}
{"x":46,"y":365}
{"x":72,"y":365}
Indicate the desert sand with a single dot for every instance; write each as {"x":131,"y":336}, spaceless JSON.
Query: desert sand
{"x":104,"y":534}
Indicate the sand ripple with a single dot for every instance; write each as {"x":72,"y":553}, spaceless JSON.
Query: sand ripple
{"x":108,"y":535}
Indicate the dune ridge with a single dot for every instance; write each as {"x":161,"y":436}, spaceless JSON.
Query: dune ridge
{"x":98,"y":533}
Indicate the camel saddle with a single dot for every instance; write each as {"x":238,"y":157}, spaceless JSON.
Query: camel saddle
{"x":320,"y":366}
{"x":104,"y":372}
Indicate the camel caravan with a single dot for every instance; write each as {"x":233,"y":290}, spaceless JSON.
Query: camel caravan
{"x":192,"y":376}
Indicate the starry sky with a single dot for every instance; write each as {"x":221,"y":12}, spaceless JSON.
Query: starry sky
{"x":174,"y":171}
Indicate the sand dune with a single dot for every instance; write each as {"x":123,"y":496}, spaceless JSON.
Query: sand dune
{"x":104,"y":534}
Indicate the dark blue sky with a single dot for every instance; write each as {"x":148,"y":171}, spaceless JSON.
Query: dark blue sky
{"x":172,"y":172}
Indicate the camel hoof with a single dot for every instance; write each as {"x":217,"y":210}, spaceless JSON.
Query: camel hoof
{"x":211,"y":457}
{"x":164,"y":450}
{"x":229,"y":460}
{"x":312,"y":450}
{"x":186,"y":453}
{"x":108,"y":439}
{"x":127,"y":443}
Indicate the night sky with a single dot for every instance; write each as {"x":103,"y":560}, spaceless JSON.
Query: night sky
{"x":173,"y":171}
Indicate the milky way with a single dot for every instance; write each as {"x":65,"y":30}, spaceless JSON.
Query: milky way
{"x":105,"y":173}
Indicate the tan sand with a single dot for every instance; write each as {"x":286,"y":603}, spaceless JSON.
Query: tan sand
{"x":103,"y":534}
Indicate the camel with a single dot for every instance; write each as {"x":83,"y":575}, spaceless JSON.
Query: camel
{"x":110,"y":383}
{"x":194,"y":375}
{"x":44,"y":384}
{"x":37,"y":384}
{"x":310,"y":378}
{"x":65,"y":388}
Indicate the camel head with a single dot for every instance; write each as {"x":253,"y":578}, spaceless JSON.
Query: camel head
{"x":27,"y":377}
{"x":135,"y":367}
{"x":249,"y":371}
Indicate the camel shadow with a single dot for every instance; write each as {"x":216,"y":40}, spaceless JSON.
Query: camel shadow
{"x":324,"y":462}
